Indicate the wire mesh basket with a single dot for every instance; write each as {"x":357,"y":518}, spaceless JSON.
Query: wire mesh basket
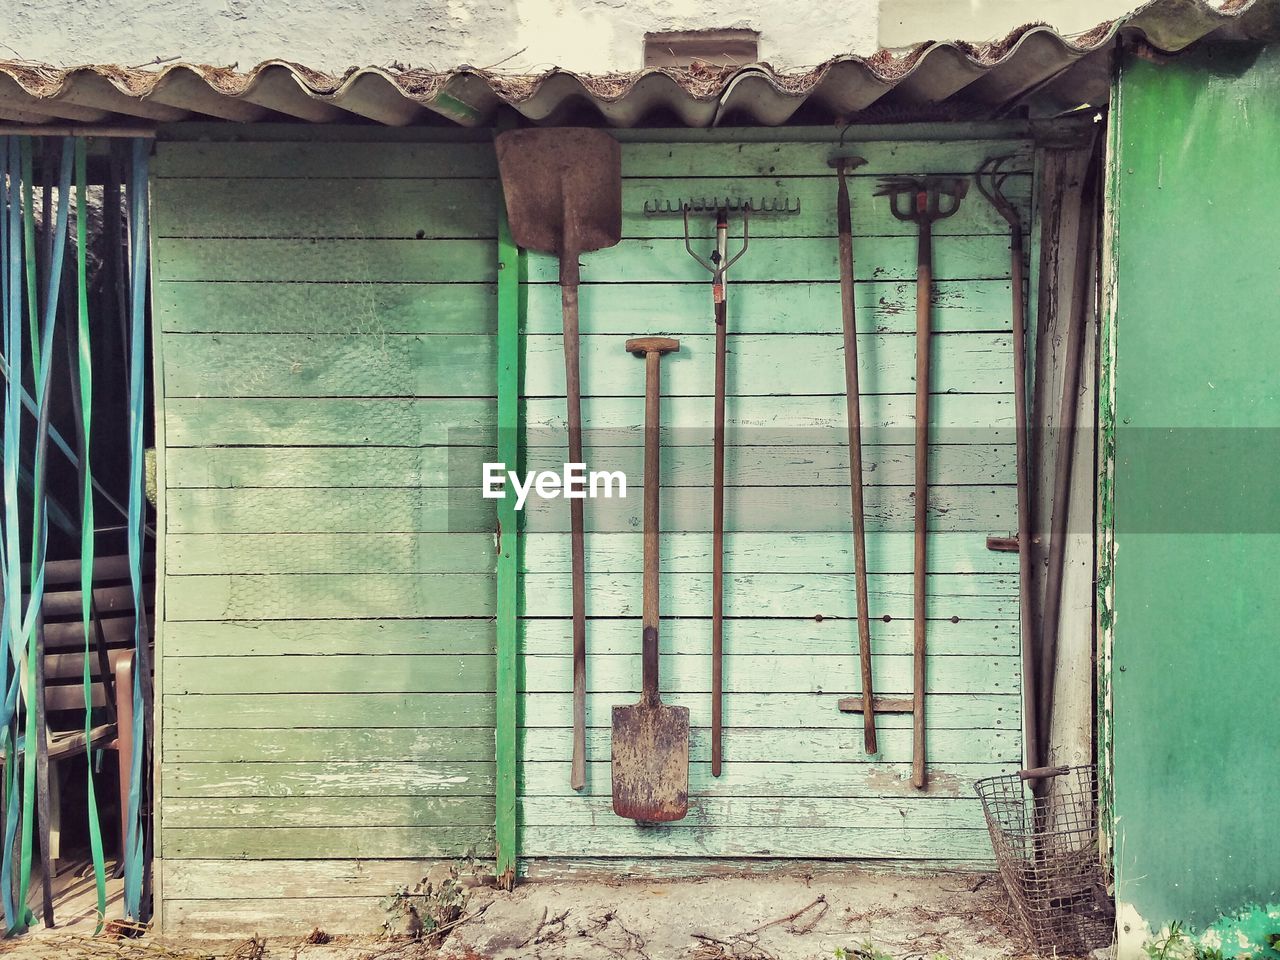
{"x":1044,"y":828}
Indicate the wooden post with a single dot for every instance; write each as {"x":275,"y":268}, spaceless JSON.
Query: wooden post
{"x":510,"y":267}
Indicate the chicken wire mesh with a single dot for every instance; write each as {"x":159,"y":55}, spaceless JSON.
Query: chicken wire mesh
{"x":1046,"y":848}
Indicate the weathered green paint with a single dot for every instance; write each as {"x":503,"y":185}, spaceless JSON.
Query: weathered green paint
{"x":329,"y":633}
{"x":335,"y":315}
{"x":793,"y":762}
{"x":1195,"y":672}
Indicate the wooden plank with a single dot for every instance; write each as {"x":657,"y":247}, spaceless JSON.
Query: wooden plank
{"x":759,"y":421}
{"x":333,"y":779}
{"x":294,"y":745}
{"x":319,"y":711}
{"x":289,"y":596}
{"x":840,"y":743}
{"x":257,"y":813}
{"x":330,"y":261}
{"x":983,"y":418}
{"x":773,"y":636}
{"x":349,"y":596}
{"x":454,"y":208}
{"x":329,"y":365}
{"x":814,"y":196}
{"x":984,"y":509}
{"x":259,"y":638}
{"x":806,"y":157}
{"x":324,"y":466}
{"x":412,"y":365}
{"x":686,"y":552}
{"x":785,"y":813}
{"x":809,"y":157}
{"x":790,"y":711}
{"x":307,"y":158}
{"x":898,"y":843}
{"x":786,"y":510}
{"x":333,"y":510}
{"x":205,"y":553}
{"x":834,"y":745}
{"x":837,"y":779}
{"x":751,"y":673}
{"x":289,"y":879}
{"x":374,"y":309}
{"x":336,"y":422}
{"x":666,"y":261}
{"x":671,"y":309}
{"x":609,"y":594}
{"x":383,"y":673}
{"x":294,"y":917}
{"x":678,"y":309}
{"x":359,"y":840}
{"x":325,"y":207}
{"x":682,"y":466}
{"x":664,"y":869}
{"x":775,"y":365}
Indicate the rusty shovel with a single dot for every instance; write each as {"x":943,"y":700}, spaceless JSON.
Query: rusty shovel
{"x":650,"y":738}
{"x":564,"y":195}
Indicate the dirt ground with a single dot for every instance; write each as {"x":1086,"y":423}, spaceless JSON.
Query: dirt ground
{"x":854,"y":914}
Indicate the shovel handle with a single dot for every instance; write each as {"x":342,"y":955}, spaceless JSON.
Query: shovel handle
{"x":573,"y":403}
{"x":652,"y":349}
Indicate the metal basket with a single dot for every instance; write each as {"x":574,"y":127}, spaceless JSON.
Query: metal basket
{"x":1046,"y":844}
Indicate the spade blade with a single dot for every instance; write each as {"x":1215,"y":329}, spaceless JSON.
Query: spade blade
{"x":651,"y":762}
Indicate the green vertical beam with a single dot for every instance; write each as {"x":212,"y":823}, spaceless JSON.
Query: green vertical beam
{"x":510,"y":262}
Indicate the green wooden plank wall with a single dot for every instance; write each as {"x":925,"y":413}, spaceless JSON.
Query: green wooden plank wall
{"x":327,"y":329}
{"x":326,"y":317}
{"x":795,"y":782}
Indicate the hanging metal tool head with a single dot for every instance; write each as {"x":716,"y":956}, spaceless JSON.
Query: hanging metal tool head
{"x":990,"y":179}
{"x":563,"y":188}
{"x":924,"y":199}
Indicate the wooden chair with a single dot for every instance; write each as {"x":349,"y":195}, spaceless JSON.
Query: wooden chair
{"x":61,"y":675}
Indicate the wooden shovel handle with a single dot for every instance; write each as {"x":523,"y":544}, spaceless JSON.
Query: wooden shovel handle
{"x":652,"y":349}
{"x":573,"y":402}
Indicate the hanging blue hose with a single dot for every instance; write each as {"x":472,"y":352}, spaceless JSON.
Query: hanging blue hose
{"x":134,"y":865}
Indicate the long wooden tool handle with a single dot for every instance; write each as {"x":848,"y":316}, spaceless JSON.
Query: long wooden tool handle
{"x":924,"y":296}
{"x":1031,"y":719}
{"x":652,"y":457}
{"x":719,"y":296}
{"x":853,"y":417}
{"x":573,"y":399}
{"x":717,"y":545}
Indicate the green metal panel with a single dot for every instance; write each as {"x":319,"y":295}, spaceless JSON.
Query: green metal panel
{"x":1197,"y":546}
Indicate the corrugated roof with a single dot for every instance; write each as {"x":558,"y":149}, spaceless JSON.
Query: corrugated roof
{"x":938,"y":80}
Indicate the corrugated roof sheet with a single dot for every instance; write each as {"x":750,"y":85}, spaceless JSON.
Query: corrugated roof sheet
{"x":932,"y":80}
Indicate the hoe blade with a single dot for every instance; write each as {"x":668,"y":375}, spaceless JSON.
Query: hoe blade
{"x":651,"y":762}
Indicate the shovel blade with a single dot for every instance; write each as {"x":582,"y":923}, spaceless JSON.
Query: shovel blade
{"x":563,"y":187}
{"x":651,"y":762}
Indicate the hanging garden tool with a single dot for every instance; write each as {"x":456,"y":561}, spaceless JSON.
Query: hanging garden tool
{"x":990,"y":178}
{"x":563,"y":189}
{"x":853,"y":417}
{"x":718,"y":265}
{"x":651,"y":739}
{"x":922,"y":202}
